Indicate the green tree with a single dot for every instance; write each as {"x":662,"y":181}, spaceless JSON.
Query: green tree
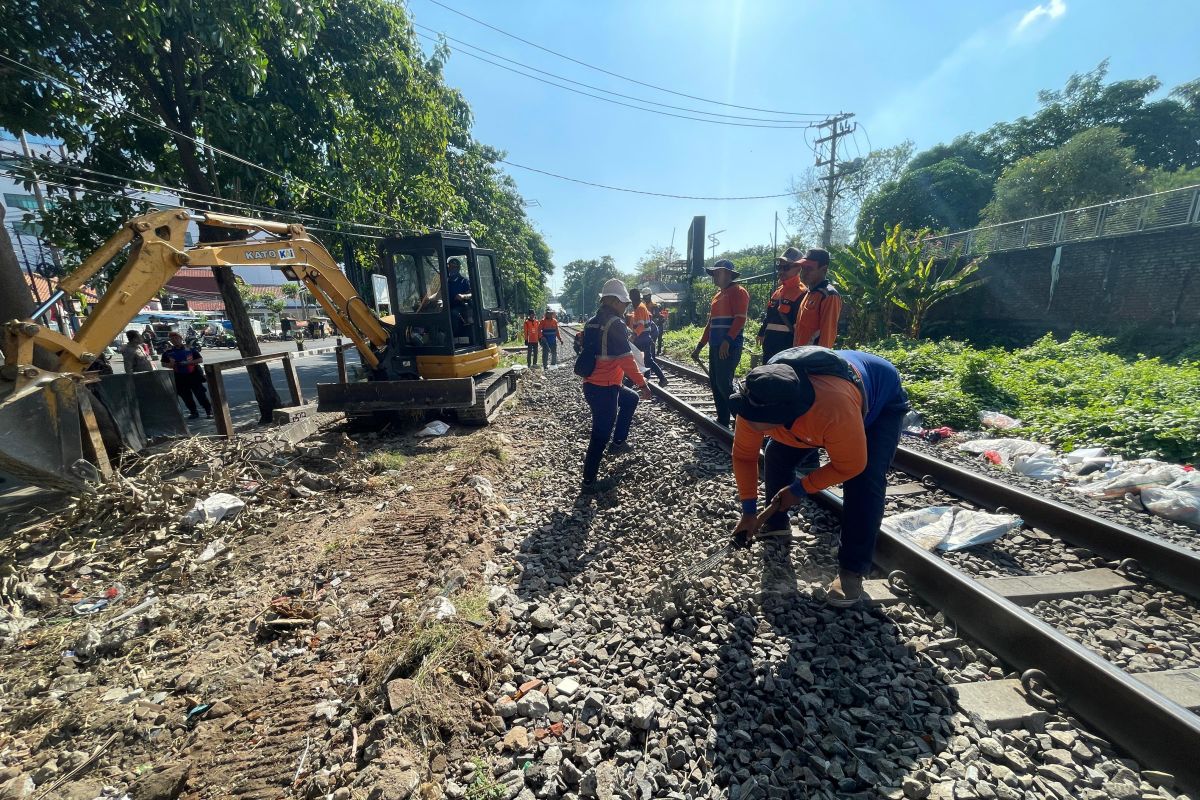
{"x":333,"y":97}
{"x":860,"y":177}
{"x":1092,"y":167}
{"x":582,"y":281}
{"x":925,"y":282}
{"x":944,"y":196}
{"x":869,"y":276}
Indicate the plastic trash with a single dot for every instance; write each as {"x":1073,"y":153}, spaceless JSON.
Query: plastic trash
{"x":1007,"y":449}
{"x":1132,"y":476}
{"x":214,"y":549}
{"x":214,"y":508}
{"x":481,"y":485}
{"x":94,"y":605}
{"x":950,"y":528}
{"x":994,"y":419}
{"x":1179,"y":502}
{"x":935,"y":435}
{"x":435,"y":428}
{"x":1040,"y":467}
{"x":441,"y":608}
{"x":1083,"y":454}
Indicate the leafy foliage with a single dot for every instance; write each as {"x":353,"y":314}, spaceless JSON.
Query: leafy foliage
{"x":582,"y":279}
{"x":947,"y":195}
{"x":1069,"y":394}
{"x":1091,"y":167}
{"x":807,"y":215}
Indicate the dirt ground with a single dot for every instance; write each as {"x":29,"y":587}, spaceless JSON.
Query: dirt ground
{"x":304,"y":648}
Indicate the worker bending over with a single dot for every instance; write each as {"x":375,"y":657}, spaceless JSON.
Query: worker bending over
{"x":849,"y":403}
{"x":606,"y":357}
{"x":723,"y":335}
{"x":821,"y":305}
{"x":533,"y":335}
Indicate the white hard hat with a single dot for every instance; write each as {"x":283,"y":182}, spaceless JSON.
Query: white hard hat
{"x":614,"y":287}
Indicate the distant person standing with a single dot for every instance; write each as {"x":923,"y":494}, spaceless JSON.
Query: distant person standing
{"x":821,"y":304}
{"x":549,"y":326}
{"x":723,"y":335}
{"x":644,"y":341}
{"x":189,"y":378}
{"x":663,"y":316}
{"x":533,"y":335}
{"x":135,"y":354}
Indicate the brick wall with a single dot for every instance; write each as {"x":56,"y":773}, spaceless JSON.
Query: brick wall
{"x":1103,"y":286}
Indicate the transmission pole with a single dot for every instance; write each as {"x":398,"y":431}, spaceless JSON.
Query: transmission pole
{"x":837,"y":129}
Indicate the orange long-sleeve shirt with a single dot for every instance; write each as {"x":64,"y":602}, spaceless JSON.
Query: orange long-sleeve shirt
{"x":641,"y":315}
{"x":817,"y":319}
{"x":834,"y":422}
{"x":727,"y":315}
{"x":533,"y":331}
{"x":618,"y":361}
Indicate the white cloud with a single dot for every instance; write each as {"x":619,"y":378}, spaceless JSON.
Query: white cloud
{"x":1051,"y":10}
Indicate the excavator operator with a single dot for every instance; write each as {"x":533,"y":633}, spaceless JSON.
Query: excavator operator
{"x":459,"y":287}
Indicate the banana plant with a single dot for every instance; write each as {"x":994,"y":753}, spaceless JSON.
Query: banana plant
{"x":870,"y":275}
{"x":924,"y":282}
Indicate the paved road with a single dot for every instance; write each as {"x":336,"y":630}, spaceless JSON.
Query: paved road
{"x":242,"y":407}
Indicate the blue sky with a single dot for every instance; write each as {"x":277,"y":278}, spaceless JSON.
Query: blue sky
{"x":923,"y":71}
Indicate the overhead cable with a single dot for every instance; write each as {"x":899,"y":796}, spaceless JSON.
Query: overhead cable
{"x":623,"y":77}
{"x":639,"y":191}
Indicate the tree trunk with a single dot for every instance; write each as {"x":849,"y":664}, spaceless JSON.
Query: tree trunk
{"x":243,"y":332}
{"x":16,"y":301}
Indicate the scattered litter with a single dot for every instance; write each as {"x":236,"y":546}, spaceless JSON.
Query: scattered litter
{"x":1132,"y":476}
{"x":139,"y":608}
{"x":950,"y":528}
{"x":435,"y":428}
{"x":935,"y":435}
{"x":214,"y":508}
{"x":481,"y":485}
{"x":1040,"y":466}
{"x":214,"y":549}
{"x":1006,"y":449}
{"x":441,"y":608}
{"x":1179,"y":502}
{"x":1083,"y":454}
{"x":94,"y":605}
{"x":994,"y":419}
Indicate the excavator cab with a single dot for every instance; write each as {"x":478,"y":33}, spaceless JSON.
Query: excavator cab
{"x":448,"y":319}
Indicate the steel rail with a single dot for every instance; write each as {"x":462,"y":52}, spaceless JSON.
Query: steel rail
{"x":1167,"y":563}
{"x":1155,"y":730}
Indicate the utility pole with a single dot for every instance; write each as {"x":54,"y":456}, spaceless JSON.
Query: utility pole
{"x":837,"y":129}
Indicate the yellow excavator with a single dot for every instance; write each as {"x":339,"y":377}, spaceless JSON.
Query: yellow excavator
{"x":438,"y":349}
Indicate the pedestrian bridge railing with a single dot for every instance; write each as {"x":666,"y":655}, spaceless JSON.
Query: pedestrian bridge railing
{"x":1151,"y":212}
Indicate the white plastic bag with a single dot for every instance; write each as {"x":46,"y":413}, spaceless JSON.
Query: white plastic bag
{"x":1083,"y":454}
{"x":435,"y":428}
{"x":1179,"y":502}
{"x":949,"y":528}
{"x":1008,"y":449}
{"x":1041,"y":467}
{"x":994,"y":419}
{"x":1132,"y":476}
{"x":214,"y":508}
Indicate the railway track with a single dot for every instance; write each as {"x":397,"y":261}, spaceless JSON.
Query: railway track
{"x":1089,"y":567}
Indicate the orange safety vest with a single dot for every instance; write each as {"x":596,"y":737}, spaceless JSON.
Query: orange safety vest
{"x":533,"y":331}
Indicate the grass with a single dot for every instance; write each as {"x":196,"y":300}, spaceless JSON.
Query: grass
{"x":484,"y":786}
{"x":384,"y":460}
{"x":679,"y":343}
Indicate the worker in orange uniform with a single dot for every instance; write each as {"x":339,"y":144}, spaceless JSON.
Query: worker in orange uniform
{"x":533,"y":335}
{"x":549,"y":326}
{"x":848,"y":402}
{"x":723,"y":335}
{"x":817,"y":320}
{"x":663,"y":315}
{"x":641,"y":314}
{"x":778,"y":329}
{"x":605,"y":358}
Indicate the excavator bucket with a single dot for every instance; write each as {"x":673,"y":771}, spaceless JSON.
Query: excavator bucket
{"x":415,"y":395}
{"x":40,"y":435}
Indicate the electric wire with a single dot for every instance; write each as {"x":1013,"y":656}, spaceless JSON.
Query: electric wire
{"x":638,"y":191}
{"x":628,"y":105}
{"x":212,"y":148}
{"x":623,"y":77}
{"x":776,"y":123}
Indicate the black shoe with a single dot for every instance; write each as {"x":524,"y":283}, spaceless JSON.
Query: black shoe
{"x":194,"y":415}
{"x":617,"y":448}
{"x":663,"y":382}
{"x":598,"y":486}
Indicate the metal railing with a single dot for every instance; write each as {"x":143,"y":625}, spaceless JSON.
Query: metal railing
{"x":1151,"y":212}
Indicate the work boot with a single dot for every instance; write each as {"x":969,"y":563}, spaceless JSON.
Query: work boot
{"x":194,"y":415}
{"x":664,"y":382}
{"x":617,"y":448}
{"x":598,"y":485}
{"x":846,"y":589}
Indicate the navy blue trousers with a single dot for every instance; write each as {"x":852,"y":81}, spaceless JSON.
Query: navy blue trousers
{"x":611,"y":406}
{"x":863,"y":494}
{"x":720,"y":378}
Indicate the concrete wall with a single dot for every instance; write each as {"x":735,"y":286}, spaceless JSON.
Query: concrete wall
{"x":1104,"y":286}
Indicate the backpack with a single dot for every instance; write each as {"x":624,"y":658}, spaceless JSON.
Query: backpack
{"x":812,"y":360}
{"x":595,"y":343}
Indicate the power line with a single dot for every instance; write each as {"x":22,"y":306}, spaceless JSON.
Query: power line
{"x":639,"y":191}
{"x":777,"y":122}
{"x":627,"y":105}
{"x":65,"y":166}
{"x":212,"y":148}
{"x":618,"y":75}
